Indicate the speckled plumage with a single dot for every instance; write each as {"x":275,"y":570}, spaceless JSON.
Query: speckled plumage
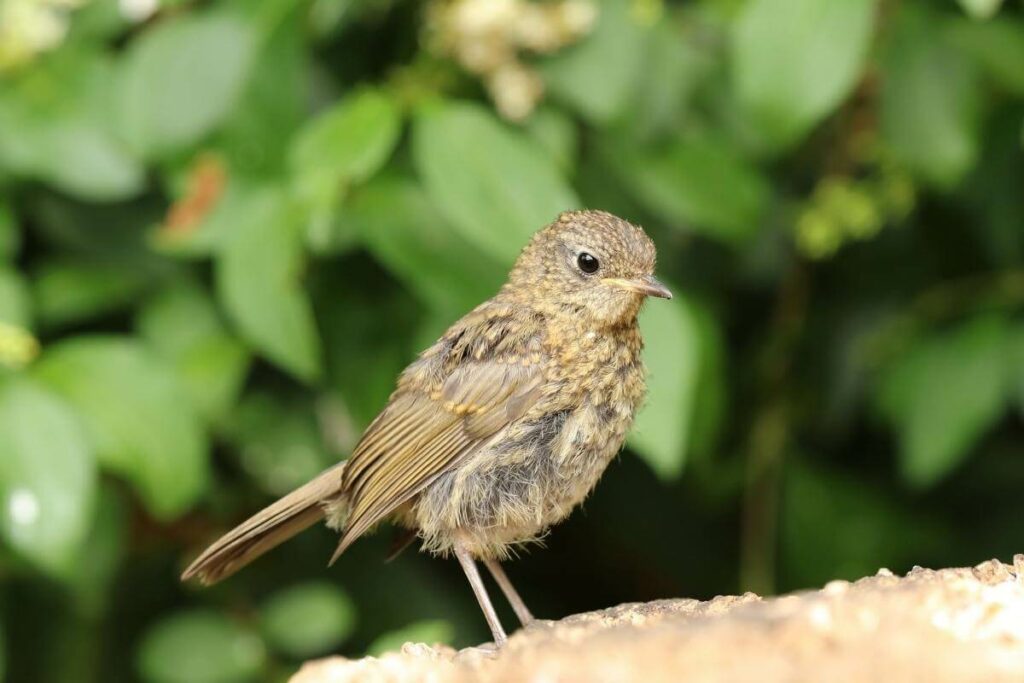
{"x":498,"y":430}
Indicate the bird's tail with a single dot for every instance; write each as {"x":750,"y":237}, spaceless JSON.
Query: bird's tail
{"x":267,"y":529}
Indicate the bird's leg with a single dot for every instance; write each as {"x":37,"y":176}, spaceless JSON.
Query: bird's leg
{"x":518,"y":606}
{"x":468,"y":566}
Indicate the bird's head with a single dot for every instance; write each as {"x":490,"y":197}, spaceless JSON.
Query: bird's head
{"x":590,"y":263}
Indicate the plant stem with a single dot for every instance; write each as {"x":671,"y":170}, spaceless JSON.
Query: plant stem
{"x":769,"y":437}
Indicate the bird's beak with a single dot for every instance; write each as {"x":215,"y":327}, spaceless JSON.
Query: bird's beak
{"x":647,"y":285}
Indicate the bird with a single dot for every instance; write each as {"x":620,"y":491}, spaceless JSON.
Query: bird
{"x":502,"y":427}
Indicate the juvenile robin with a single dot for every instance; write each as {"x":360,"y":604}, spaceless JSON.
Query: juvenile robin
{"x":498,"y":430}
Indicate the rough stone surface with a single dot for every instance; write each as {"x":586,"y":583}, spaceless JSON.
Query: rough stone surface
{"x":958,"y":625}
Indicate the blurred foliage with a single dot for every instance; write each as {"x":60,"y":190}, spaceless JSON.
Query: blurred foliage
{"x":226,"y":226}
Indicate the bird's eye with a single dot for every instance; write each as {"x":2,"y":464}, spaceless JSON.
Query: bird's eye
{"x":587,"y":262}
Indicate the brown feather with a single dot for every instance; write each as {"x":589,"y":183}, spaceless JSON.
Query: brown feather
{"x":267,"y":529}
{"x":421,"y":436}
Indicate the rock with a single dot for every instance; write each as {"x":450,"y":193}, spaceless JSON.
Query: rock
{"x":958,"y":625}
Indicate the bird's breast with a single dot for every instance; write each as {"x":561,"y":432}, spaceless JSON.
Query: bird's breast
{"x":599,"y":368}
{"x":604,"y":375}
{"x":541,"y":466}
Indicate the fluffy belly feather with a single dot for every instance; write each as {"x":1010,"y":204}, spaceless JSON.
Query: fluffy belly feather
{"x":531,"y":478}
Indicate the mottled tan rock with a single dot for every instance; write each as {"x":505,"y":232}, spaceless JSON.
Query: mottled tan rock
{"x":960,"y":625}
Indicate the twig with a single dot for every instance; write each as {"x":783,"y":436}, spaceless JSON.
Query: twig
{"x":769,"y":437}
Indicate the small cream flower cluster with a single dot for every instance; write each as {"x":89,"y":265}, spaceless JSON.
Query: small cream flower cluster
{"x":486,"y":38}
{"x":28,"y":27}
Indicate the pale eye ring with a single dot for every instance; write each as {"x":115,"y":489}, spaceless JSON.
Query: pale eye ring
{"x":587,"y":262}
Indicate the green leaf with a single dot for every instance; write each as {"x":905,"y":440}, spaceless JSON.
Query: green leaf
{"x":15,"y":302}
{"x":180,"y":79}
{"x":274,"y":104}
{"x":139,"y":418}
{"x":200,"y":646}
{"x":997,"y":46}
{"x":943,"y":393}
{"x":991,"y":193}
{"x":69,"y":291}
{"x":18,"y":347}
{"x":1016,"y":367}
{"x":47,"y":476}
{"x":3,"y":653}
{"x":403,"y":229}
{"x":930,"y":101}
{"x":99,"y":20}
{"x":701,"y":183}
{"x":494,"y":184}
{"x":307,"y":620}
{"x":363,"y":367}
{"x":430,"y":632}
{"x":556,"y":132}
{"x":100,"y":554}
{"x":259,"y":286}
{"x":346,"y":144}
{"x":709,"y":406}
{"x":795,"y":61}
{"x":836,"y":524}
{"x":63,"y":132}
{"x":182,"y":324}
{"x":599,"y":76}
{"x":93,"y":166}
{"x":677,"y":64}
{"x":981,"y":9}
{"x":278,"y":441}
{"x":672,"y":355}
{"x":10,"y":233}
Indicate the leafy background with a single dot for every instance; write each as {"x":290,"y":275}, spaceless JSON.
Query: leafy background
{"x":225,"y":227}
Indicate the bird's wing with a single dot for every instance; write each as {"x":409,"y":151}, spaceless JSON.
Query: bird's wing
{"x":419,"y":436}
